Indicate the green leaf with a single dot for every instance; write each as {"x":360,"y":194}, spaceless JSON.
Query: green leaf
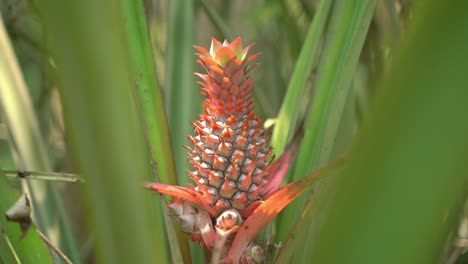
{"x":183,"y":101}
{"x":149,"y":101}
{"x":349,"y":24}
{"x":400,"y":198}
{"x":88,"y":42}
{"x":182,"y":96}
{"x":288,"y":116}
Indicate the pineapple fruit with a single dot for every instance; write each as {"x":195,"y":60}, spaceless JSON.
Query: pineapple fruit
{"x":230,"y":149}
{"x":230,"y":157}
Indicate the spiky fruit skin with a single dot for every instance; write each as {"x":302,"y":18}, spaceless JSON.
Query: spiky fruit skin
{"x":230,"y":148}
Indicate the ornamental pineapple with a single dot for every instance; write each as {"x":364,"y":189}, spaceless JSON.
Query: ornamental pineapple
{"x":230,"y":157}
{"x":230,"y":148}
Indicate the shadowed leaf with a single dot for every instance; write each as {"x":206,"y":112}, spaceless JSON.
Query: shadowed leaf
{"x":272,"y":206}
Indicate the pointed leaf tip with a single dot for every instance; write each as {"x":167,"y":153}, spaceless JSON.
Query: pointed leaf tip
{"x":236,"y":46}
{"x":215,"y":45}
{"x":202,"y":50}
{"x":221,"y":53}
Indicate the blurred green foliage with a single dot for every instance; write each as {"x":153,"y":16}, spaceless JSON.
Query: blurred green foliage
{"x":379,"y":82}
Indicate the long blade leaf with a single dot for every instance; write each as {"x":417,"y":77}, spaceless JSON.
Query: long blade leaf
{"x":399,"y":199}
{"x":182,"y":96}
{"x":288,"y":115}
{"x":149,"y":101}
{"x":349,"y":24}
{"x":94,"y":69}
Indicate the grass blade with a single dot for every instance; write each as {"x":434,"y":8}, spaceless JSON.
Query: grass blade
{"x":350,"y":21}
{"x":150,"y":103}
{"x":349,"y":24}
{"x":183,"y":101}
{"x":182,"y":95}
{"x":93,"y":62}
{"x":148,"y":93}
{"x":288,"y":116}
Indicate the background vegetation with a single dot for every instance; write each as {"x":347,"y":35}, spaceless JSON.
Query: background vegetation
{"x":105,"y":89}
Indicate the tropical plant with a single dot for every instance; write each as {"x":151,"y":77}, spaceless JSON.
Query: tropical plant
{"x":364,"y":105}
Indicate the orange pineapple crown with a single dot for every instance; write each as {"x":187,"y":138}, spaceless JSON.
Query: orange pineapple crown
{"x":227,"y":85}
